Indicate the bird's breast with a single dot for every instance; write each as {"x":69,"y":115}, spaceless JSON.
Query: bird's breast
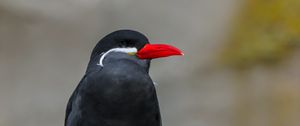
{"x":121,"y":82}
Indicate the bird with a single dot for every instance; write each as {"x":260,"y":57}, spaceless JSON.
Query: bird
{"x":116,"y":89}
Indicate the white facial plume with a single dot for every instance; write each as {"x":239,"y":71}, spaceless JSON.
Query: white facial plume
{"x":124,"y":50}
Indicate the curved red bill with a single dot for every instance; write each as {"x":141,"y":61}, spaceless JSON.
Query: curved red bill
{"x":151,"y":51}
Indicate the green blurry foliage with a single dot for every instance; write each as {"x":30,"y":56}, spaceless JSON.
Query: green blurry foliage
{"x":265,"y":33}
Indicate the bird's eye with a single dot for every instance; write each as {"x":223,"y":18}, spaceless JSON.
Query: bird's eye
{"x":127,"y":43}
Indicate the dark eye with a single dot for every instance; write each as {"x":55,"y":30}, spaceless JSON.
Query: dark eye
{"x":127,"y":43}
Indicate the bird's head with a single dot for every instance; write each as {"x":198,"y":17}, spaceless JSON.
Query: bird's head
{"x":132,"y":43}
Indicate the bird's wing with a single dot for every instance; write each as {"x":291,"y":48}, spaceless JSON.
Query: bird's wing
{"x":70,"y":102}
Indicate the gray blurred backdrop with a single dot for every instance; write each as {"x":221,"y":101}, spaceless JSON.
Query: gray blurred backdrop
{"x":45,"y":47}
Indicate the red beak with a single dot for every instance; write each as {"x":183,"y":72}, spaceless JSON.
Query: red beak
{"x":151,"y":51}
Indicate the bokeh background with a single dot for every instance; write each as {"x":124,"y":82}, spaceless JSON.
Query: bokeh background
{"x":241,"y":63}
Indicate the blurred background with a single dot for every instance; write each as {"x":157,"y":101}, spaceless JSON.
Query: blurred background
{"x":241,"y":63}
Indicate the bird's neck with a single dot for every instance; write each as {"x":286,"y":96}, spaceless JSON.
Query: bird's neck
{"x":92,"y":66}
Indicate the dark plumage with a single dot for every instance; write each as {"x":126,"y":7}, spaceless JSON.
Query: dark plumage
{"x":120,"y":93}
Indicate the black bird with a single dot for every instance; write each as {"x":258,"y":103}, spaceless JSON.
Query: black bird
{"x":116,"y":89}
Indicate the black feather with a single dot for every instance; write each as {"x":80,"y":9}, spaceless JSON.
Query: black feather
{"x":119,"y":94}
